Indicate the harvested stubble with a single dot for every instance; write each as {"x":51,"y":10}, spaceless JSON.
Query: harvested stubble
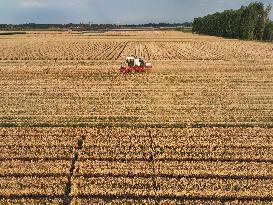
{"x":65,"y":137}
{"x":34,"y":168}
{"x":113,"y":201}
{"x":35,"y":164}
{"x":36,"y":152}
{"x":217,"y":188}
{"x":31,"y":186}
{"x":171,"y":187}
{"x":214,"y":202}
{"x":31,"y":201}
{"x":164,"y":202}
{"x":112,"y":186}
{"x":217,"y":169}
{"x":113,"y":168}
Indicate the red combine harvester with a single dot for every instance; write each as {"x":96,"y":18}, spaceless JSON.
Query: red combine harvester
{"x":135,"y":65}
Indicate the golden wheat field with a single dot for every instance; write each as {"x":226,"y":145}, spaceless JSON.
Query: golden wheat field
{"x":197,"y":129}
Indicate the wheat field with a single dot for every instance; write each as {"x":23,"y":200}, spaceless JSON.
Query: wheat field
{"x":197,"y":129}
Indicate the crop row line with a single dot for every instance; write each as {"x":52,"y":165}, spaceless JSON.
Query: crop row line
{"x":268,"y":125}
{"x":142,"y":175}
{"x":109,"y":159}
{"x":109,"y":197}
{"x":187,"y":146}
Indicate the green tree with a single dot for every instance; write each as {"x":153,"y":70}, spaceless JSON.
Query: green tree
{"x":268,"y":31}
{"x":248,"y":22}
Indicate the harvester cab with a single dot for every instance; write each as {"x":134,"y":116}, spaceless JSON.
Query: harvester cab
{"x":135,"y":64}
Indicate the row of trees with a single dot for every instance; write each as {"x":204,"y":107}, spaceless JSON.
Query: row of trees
{"x":71,"y":26}
{"x":81,"y":26}
{"x":249,"y":22}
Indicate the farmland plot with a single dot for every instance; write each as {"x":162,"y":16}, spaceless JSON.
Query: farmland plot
{"x":140,"y":166}
{"x":196,"y":130}
{"x":174,"y":46}
{"x":136,"y":165}
{"x":185,"y":93}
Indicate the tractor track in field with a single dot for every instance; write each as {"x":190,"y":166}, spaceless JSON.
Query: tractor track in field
{"x":155,"y":172}
{"x":68,"y":187}
{"x":120,"y":53}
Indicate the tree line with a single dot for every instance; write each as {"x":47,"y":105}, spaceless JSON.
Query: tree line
{"x":85,"y":26}
{"x":71,"y":26}
{"x":249,"y":22}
